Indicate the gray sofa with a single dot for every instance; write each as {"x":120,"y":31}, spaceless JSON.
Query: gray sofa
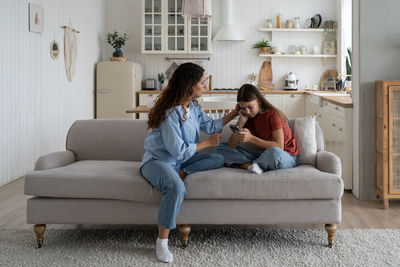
{"x":97,"y":181}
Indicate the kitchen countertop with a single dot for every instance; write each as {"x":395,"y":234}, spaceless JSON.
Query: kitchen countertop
{"x":344,"y":101}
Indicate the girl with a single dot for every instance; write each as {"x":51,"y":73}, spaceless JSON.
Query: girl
{"x":172,"y":145}
{"x":265,"y":126}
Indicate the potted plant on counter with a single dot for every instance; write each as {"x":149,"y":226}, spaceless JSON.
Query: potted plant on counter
{"x":264,"y":46}
{"x":117,"y":41}
{"x":161,"y":80}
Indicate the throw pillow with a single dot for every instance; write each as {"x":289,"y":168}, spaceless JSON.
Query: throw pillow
{"x":304,"y":133}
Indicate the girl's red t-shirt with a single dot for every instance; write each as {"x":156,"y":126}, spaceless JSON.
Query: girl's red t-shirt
{"x":265,"y":123}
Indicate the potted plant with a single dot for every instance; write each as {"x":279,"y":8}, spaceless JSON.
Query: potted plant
{"x":161,"y":80}
{"x":348,"y":64}
{"x":348,"y":72}
{"x":264,"y":46}
{"x":117,"y":41}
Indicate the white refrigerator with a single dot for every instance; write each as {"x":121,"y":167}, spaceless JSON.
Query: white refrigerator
{"x":116,"y":86}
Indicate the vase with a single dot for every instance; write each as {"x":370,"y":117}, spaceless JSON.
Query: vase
{"x":118,"y":53}
{"x":264,"y":50}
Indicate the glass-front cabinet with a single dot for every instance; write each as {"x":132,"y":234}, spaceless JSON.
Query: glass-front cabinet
{"x":166,"y":31}
{"x":199,"y":35}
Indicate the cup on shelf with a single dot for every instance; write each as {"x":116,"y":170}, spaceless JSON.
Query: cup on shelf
{"x":268,"y":23}
{"x":303,"y":49}
{"x":316,"y":50}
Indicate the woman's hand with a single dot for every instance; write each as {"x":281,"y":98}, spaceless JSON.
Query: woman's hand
{"x":244,"y":135}
{"x":214,"y":139}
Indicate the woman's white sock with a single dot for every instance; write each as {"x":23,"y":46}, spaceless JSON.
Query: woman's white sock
{"x":255,"y":168}
{"x":162,"y":251}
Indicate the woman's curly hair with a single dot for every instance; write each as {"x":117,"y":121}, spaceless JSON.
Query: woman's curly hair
{"x":178,"y":91}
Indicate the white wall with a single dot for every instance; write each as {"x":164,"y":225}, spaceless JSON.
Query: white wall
{"x":37,"y":103}
{"x":232,"y":62}
{"x":377,"y":58}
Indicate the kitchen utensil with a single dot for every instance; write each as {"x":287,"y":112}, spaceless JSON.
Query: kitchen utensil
{"x":265,"y":81}
{"x":316,"y":21}
{"x":291,"y":82}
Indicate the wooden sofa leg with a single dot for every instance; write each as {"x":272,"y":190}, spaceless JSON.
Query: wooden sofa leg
{"x":331,"y":229}
{"x":39,"y":231}
{"x":184,"y":229}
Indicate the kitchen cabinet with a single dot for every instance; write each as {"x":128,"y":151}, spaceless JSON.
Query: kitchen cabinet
{"x":290,"y":104}
{"x":293,"y":105}
{"x":337,"y":125}
{"x":166,"y":31}
{"x":147,"y":100}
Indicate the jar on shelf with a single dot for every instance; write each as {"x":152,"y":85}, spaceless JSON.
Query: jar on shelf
{"x":268,"y":23}
{"x":289,"y":24}
{"x":296,"y":23}
{"x":279,"y":20}
{"x":303,"y":49}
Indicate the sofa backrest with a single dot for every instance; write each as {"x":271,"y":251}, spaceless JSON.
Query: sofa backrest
{"x":123,"y":139}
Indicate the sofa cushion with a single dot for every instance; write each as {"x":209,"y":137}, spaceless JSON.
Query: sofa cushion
{"x":301,"y":182}
{"x":122,"y":180}
{"x":93,"y":179}
{"x":304,"y":132}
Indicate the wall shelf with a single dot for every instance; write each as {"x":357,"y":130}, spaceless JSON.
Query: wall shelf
{"x":295,"y":30}
{"x":297,"y":56}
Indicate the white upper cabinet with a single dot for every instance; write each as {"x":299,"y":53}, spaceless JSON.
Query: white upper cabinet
{"x":166,"y":31}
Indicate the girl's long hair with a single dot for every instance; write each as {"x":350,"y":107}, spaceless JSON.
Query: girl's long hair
{"x":178,"y":91}
{"x":248,"y":93}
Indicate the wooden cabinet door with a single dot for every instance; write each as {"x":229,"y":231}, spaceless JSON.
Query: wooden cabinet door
{"x":394,"y":139}
{"x":293,"y":106}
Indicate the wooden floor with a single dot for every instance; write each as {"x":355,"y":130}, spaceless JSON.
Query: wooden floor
{"x":355,"y":213}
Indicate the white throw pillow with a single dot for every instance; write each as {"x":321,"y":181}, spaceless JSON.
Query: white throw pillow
{"x":304,"y":133}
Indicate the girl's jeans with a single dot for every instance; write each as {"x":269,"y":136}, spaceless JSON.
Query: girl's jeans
{"x":272,"y":158}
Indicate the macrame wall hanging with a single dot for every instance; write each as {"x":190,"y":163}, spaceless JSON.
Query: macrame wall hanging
{"x":70,"y":50}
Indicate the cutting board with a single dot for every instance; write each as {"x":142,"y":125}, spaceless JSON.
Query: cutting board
{"x":265,"y":81}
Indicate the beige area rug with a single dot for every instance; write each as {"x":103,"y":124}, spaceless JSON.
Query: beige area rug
{"x":207,"y":247}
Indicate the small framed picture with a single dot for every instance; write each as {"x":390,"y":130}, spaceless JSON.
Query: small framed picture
{"x":35,"y":18}
{"x":54,"y":49}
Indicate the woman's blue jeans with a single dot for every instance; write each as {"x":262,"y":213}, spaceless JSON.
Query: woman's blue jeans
{"x":163,"y":177}
{"x":272,"y":158}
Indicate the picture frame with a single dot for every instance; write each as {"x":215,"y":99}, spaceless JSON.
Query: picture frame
{"x":54,"y":49}
{"x":35,"y":18}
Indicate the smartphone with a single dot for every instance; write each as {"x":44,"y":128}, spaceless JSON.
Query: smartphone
{"x":234,"y":128}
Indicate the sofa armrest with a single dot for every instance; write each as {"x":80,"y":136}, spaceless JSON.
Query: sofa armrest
{"x":329,"y":162}
{"x":54,"y":160}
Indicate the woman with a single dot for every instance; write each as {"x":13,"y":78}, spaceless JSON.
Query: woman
{"x":172,"y":145}
{"x":266,"y":127}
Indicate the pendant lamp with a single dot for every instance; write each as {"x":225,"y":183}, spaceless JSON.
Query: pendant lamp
{"x":197,"y":8}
